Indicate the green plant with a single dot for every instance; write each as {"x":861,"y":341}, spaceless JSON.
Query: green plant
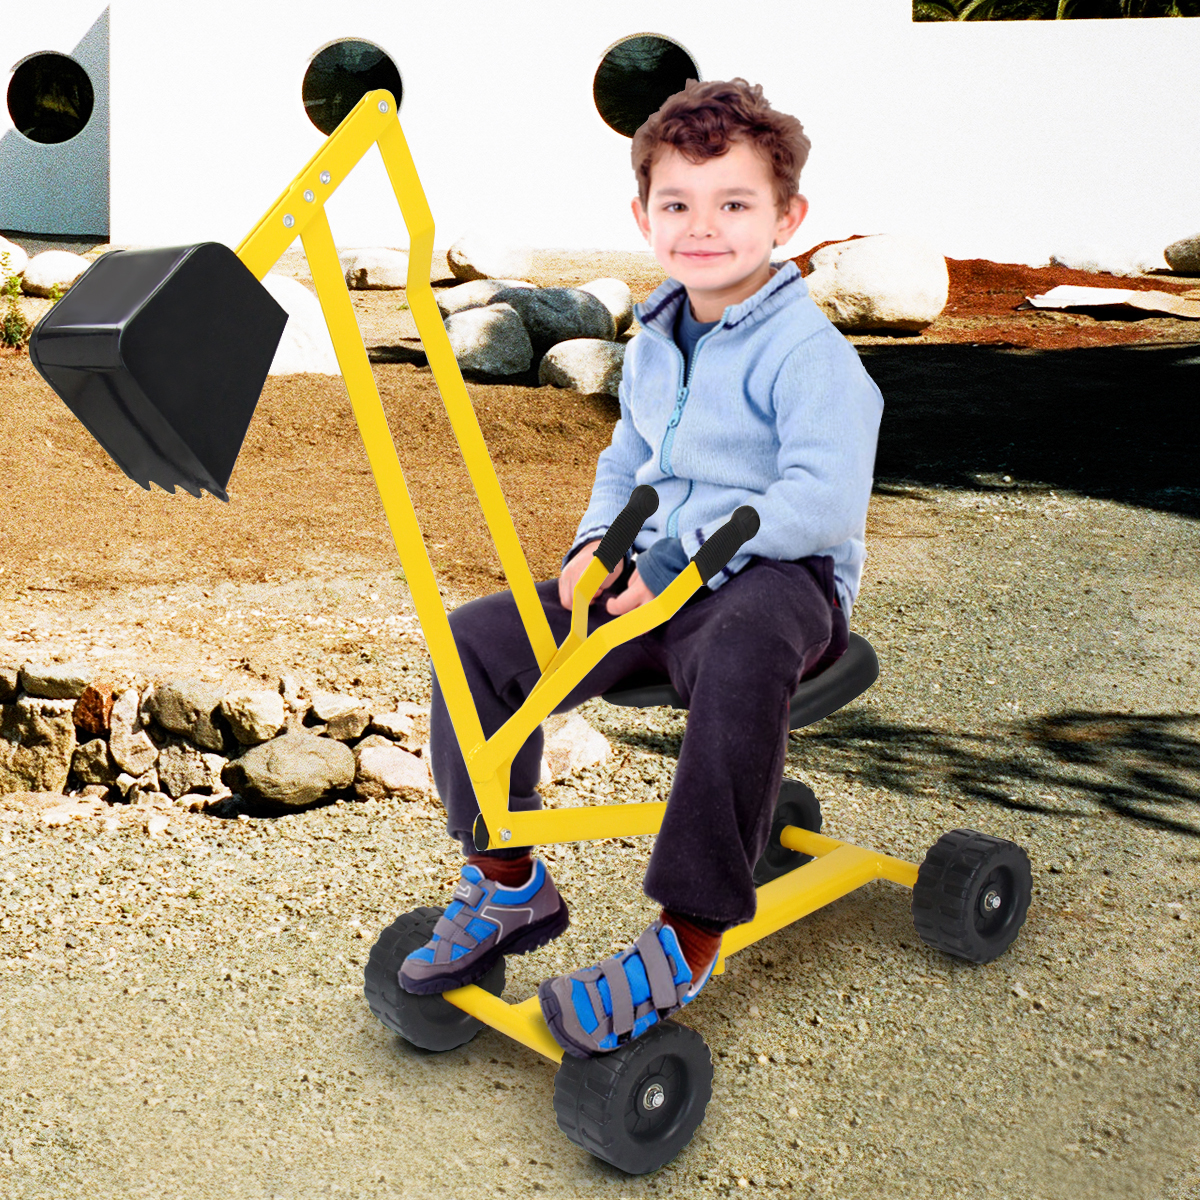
{"x":14,"y":329}
{"x":1049,"y":10}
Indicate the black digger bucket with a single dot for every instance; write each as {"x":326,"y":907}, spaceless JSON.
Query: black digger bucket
{"x":162,"y":355}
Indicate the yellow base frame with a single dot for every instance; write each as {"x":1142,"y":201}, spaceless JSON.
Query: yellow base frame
{"x":837,"y":868}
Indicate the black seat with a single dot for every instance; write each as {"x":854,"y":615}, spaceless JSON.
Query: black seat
{"x":814,"y":699}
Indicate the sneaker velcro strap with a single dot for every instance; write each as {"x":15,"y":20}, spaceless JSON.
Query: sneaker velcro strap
{"x":469,"y":893}
{"x":622,"y":997}
{"x":453,"y":930}
{"x":659,"y":971}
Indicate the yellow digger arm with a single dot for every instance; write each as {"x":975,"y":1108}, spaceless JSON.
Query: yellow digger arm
{"x":300,"y":211}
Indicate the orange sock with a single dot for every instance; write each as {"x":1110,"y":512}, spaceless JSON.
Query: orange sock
{"x":699,"y":945}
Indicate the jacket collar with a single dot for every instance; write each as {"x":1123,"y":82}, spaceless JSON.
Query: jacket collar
{"x":659,"y":310}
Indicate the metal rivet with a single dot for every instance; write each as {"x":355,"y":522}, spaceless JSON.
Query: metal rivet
{"x":308,"y":195}
{"x":506,"y":835}
{"x":383,"y":106}
{"x":654,"y":1096}
{"x":992,"y":900}
{"x":325,"y":176}
{"x":288,"y":221}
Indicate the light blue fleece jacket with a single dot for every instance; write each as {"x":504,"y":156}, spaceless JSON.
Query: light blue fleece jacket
{"x":776,"y":411}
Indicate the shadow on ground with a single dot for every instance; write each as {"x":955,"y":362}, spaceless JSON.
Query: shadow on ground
{"x":1119,"y":422}
{"x":1143,"y":768}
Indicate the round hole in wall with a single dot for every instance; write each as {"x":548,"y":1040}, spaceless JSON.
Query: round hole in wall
{"x":636,"y":75}
{"x":338,"y":77}
{"x":50,"y":98}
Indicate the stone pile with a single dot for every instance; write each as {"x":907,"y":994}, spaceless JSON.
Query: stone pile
{"x":190,"y":743}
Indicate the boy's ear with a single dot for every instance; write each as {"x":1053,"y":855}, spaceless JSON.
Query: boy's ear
{"x":640,"y":216}
{"x":789,"y":222}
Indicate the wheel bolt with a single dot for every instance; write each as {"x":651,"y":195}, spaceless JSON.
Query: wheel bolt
{"x":654,"y":1096}
{"x":992,"y":900}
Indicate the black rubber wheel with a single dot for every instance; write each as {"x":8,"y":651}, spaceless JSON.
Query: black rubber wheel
{"x":426,"y":1021}
{"x":638,"y":1106}
{"x":972,"y":894}
{"x":795,"y":805}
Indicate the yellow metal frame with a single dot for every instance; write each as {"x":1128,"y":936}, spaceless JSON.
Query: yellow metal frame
{"x":837,"y":868}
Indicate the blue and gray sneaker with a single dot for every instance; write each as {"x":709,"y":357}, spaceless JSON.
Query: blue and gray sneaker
{"x":484,"y":922}
{"x":600,"y":1008}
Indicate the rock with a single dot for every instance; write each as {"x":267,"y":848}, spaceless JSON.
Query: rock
{"x":294,"y":769}
{"x":196,"y":802}
{"x":91,"y":763}
{"x":306,"y":347}
{"x":491,"y":340}
{"x":10,"y":681}
{"x":371,"y":740}
{"x":475,"y":256}
{"x":140,"y":789}
{"x":128,"y":743}
{"x":476,"y":294}
{"x":552,"y":315}
{"x":52,"y":269}
{"x":1183,"y":256}
{"x":37,"y":743}
{"x":376,"y":268}
{"x":289,"y":689}
{"x":570,"y":745}
{"x":157,"y":823}
{"x":394,"y":725}
{"x":390,"y":771}
{"x":885,"y":283}
{"x":53,"y":681}
{"x":615,"y":295}
{"x":188,"y":707}
{"x":182,"y":769}
{"x":254,"y":716}
{"x":16,"y":262}
{"x":93,"y":710}
{"x":1103,"y":260}
{"x":345,"y":717}
{"x":588,"y":365}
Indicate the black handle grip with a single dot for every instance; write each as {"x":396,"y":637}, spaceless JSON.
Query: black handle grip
{"x":627,"y":526}
{"x":726,"y":542}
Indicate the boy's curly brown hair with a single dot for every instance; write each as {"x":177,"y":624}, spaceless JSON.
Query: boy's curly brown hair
{"x":704,"y":119}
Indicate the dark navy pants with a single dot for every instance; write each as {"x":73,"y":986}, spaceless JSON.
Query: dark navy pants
{"x":734,"y":655}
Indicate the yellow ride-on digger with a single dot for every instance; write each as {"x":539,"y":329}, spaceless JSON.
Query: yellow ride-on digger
{"x":162,"y":355}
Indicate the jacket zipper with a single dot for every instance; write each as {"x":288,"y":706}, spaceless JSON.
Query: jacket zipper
{"x":664,"y":459}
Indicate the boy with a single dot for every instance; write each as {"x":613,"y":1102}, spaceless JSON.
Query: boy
{"x":737,"y":390}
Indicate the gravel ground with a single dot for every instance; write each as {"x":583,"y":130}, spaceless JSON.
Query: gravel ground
{"x":183,"y":1013}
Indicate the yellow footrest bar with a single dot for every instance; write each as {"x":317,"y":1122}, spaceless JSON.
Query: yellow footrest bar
{"x":522,"y":1022}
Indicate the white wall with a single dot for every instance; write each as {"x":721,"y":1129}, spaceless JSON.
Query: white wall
{"x":999,"y":139}
{"x":62,"y":187}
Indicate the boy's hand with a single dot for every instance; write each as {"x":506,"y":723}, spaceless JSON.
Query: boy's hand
{"x":634,"y":596}
{"x":575,"y":568}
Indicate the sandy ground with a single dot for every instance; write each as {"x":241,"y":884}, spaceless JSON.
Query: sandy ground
{"x":183,"y":1013}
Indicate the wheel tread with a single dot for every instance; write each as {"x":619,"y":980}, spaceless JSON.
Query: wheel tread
{"x":945,"y":880}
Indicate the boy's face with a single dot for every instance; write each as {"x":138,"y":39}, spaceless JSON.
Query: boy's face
{"x":712,"y":225}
